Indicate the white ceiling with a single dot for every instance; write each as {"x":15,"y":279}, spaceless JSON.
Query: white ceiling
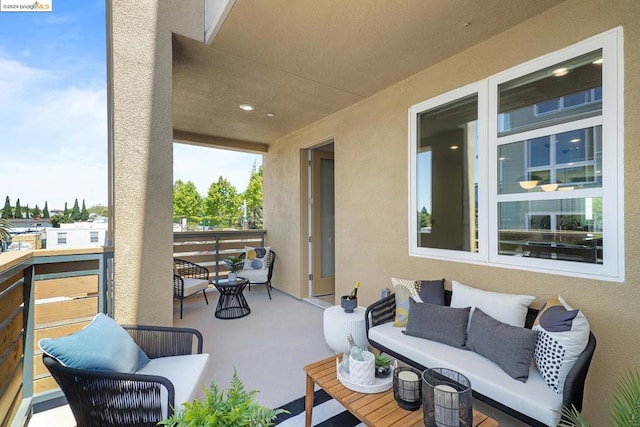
{"x":306,"y":59}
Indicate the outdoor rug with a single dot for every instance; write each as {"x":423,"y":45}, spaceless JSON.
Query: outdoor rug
{"x":326,"y":413}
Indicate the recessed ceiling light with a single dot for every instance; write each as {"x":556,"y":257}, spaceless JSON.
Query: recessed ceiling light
{"x":454,"y":147}
{"x":574,"y":140}
{"x":247,"y":107}
{"x":270,"y":114}
{"x":598,"y":61}
{"x":559,"y":72}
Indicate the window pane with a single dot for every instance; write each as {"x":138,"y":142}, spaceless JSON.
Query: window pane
{"x":564,"y":161}
{"x":562,"y":93}
{"x":447,"y":176}
{"x":568,"y":230}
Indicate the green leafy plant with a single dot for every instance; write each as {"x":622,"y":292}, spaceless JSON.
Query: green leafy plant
{"x":382,"y":361}
{"x":624,"y":410}
{"x":5,"y":228}
{"x":234,"y":407}
{"x":234,"y":264}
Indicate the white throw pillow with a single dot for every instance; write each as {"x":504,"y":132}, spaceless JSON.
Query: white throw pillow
{"x":563,"y":333}
{"x":506,"y":308}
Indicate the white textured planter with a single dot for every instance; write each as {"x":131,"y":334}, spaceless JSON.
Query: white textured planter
{"x":233,"y":277}
{"x":363,"y":372}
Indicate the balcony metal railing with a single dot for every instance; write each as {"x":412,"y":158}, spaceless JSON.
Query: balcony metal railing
{"x":43,"y":293}
{"x":210,"y":248}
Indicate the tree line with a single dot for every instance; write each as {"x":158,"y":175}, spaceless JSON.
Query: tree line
{"x":222,"y":207}
{"x":76,"y":213}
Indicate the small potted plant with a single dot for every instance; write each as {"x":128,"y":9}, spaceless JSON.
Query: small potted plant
{"x":234,"y":407}
{"x":234,"y":264}
{"x":383,"y":365}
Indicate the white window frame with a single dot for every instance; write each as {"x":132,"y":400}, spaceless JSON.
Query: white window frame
{"x":612,"y":191}
{"x":62,"y":238}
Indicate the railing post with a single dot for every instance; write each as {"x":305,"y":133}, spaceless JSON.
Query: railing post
{"x":217,"y":258}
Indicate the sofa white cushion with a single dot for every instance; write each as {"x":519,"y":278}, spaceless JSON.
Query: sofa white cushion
{"x":506,"y":308}
{"x":191,"y":285}
{"x":186,"y":373}
{"x":532,"y":398}
{"x":255,"y":276}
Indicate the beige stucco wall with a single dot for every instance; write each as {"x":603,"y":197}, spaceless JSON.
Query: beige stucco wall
{"x":371,"y":190}
{"x":142,"y":169}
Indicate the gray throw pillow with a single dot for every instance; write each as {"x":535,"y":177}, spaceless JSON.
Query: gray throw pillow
{"x":510,"y":347}
{"x":438,"y":323}
{"x":432,"y":291}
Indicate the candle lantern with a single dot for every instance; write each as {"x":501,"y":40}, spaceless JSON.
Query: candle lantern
{"x":407,"y":388}
{"x":447,"y":398}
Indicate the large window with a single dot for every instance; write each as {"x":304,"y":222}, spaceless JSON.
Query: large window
{"x":524,"y":169}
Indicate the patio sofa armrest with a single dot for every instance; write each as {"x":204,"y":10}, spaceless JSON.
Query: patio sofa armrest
{"x":573,"y":391}
{"x":113,"y":398}
{"x":380,"y":312}
{"x":163,"y":341}
{"x":186,"y":268}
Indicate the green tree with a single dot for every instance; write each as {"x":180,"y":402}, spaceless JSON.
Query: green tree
{"x":66,"y":210}
{"x":17,"y":213}
{"x":5,"y":236}
{"x":7,"y":212}
{"x":58,"y":219}
{"x":84,"y":213}
{"x":187,"y":202}
{"x":75,"y":212}
{"x":100,"y":210}
{"x":223,"y":203}
{"x":28,"y":212}
{"x":36,"y":211}
{"x":45,"y":211}
{"x":424,"y":218}
{"x":253,"y":197}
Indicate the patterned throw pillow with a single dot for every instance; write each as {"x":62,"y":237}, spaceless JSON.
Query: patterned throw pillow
{"x":404,"y":289}
{"x":256,"y":258}
{"x":563,"y":333}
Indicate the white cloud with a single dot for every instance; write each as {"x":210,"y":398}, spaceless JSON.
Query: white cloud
{"x":54,"y":138}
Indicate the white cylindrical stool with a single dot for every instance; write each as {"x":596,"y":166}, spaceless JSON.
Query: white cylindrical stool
{"x":337,"y":324}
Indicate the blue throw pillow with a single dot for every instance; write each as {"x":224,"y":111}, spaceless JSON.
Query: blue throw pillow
{"x":102,"y":345}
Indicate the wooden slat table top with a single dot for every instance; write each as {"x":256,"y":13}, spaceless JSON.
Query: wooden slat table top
{"x":376,"y":409}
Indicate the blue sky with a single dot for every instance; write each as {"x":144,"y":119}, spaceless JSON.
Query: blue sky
{"x":53,"y":116}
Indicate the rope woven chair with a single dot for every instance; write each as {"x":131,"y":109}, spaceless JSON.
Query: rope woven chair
{"x":271,"y":260}
{"x":99,"y":398}
{"x":188,"y":279}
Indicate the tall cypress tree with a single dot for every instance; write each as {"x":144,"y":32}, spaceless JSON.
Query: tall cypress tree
{"x":17,"y":213}
{"x":84,"y":213}
{"x":36,"y":211}
{"x":7,"y":212}
{"x":45,"y":211}
{"x":75,"y":212}
{"x":66,"y":210}
{"x":27,"y":212}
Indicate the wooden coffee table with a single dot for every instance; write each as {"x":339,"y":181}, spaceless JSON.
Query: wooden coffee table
{"x":377,"y":409}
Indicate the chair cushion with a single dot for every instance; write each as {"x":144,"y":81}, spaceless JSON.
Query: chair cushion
{"x":186,"y":373}
{"x":256,"y":258}
{"x":191,"y":286}
{"x":255,"y":276}
{"x":102,"y":345}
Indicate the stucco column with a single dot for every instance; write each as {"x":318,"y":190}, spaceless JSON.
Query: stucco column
{"x":142,"y":170}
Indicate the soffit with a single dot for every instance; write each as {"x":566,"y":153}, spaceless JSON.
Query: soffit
{"x":306,"y":59}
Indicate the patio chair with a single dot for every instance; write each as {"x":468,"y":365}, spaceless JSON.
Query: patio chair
{"x":174,"y":374}
{"x":188,"y":279}
{"x":260,"y":277}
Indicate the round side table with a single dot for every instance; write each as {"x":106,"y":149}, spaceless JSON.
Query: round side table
{"x":337,"y":324}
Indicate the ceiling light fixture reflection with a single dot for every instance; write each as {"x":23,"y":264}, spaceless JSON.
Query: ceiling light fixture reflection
{"x":247,"y":107}
{"x":454,"y":147}
{"x":548,"y":186}
{"x":566,"y":188}
{"x":574,"y":140}
{"x":559,"y":72}
{"x":270,"y":114}
{"x":527,"y":183}
{"x":598,"y":61}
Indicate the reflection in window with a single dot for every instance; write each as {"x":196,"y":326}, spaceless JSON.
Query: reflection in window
{"x":446,"y":176}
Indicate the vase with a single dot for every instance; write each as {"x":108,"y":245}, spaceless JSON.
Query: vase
{"x":233,"y":277}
